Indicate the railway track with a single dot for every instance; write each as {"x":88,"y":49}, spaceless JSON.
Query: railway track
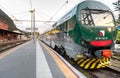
{"x":112,"y":71}
{"x":109,"y":72}
{"x":104,"y":73}
{"x":7,"y":45}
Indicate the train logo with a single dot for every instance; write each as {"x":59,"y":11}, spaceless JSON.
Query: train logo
{"x":101,"y":33}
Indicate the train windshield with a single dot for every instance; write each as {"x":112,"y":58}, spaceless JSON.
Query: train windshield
{"x":92,"y":17}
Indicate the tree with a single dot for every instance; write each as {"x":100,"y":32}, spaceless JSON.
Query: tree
{"x":117,"y":8}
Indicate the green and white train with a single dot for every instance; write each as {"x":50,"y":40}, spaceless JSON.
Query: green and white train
{"x":86,"y":33}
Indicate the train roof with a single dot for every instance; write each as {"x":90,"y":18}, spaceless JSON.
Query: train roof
{"x":8,"y":20}
{"x":91,"y":4}
{"x":66,"y":16}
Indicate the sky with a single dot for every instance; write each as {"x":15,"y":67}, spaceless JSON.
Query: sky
{"x":45,"y":10}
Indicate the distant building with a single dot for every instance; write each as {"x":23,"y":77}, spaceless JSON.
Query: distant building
{"x":21,"y":35}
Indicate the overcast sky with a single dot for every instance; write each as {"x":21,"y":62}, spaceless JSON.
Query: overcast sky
{"x":45,"y":10}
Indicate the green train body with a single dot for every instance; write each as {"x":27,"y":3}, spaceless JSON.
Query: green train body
{"x":87,"y":30}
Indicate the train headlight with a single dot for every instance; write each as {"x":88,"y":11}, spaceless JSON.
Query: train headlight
{"x":109,"y":29}
{"x":83,"y":43}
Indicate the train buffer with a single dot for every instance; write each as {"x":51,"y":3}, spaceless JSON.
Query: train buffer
{"x":35,"y":60}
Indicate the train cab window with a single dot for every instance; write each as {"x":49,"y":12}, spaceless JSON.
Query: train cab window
{"x":93,"y":17}
{"x":86,"y":18}
{"x":71,"y":23}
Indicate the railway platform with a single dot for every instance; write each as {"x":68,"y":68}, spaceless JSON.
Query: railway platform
{"x":35,"y":60}
{"x":55,"y":64}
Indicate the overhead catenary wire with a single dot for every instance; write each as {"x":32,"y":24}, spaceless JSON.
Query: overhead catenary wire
{"x":23,"y":16}
{"x":20,"y":13}
{"x":10,"y":14}
{"x":58,"y":10}
{"x":35,"y":21}
{"x":39,"y":15}
{"x":44,"y":19}
{"x":6,"y":11}
{"x":43,"y":14}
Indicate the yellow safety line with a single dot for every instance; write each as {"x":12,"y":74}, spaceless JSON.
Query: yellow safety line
{"x":2,"y":55}
{"x":65,"y":69}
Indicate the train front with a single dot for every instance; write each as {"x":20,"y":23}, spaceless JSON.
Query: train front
{"x":98,"y":31}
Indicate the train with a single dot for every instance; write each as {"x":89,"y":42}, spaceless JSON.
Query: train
{"x":86,"y":34}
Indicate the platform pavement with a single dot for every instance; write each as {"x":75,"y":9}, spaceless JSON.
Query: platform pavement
{"x":59,"y":68}
{"x":32,"y":60}
{"x":19,"y":62}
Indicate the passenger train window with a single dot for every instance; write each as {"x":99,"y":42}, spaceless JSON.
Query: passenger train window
{"x":65,"y":27}
{"x":71,"y":23}
{"x":57,"y":28}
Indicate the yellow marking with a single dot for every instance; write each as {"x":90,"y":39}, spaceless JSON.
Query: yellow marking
{"x":101,"y":62}
{"x":103,"y":59}
{"x":98,"y":66}
{"x":88,"y":64}
{"x":84,"y":62}
{"x":2,"y":55}
{"x":93,"y":65}
{"x":79,"y":56}
{"x":105,"y":62}
{"x":105,"y":65}
{"x":76,"y":59}
{"x":107,"y":59}
{"x":65,"y":69}
{"x":80,"y":61}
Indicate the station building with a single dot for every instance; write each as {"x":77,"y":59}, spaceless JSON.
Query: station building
{"x":7,"y":28}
